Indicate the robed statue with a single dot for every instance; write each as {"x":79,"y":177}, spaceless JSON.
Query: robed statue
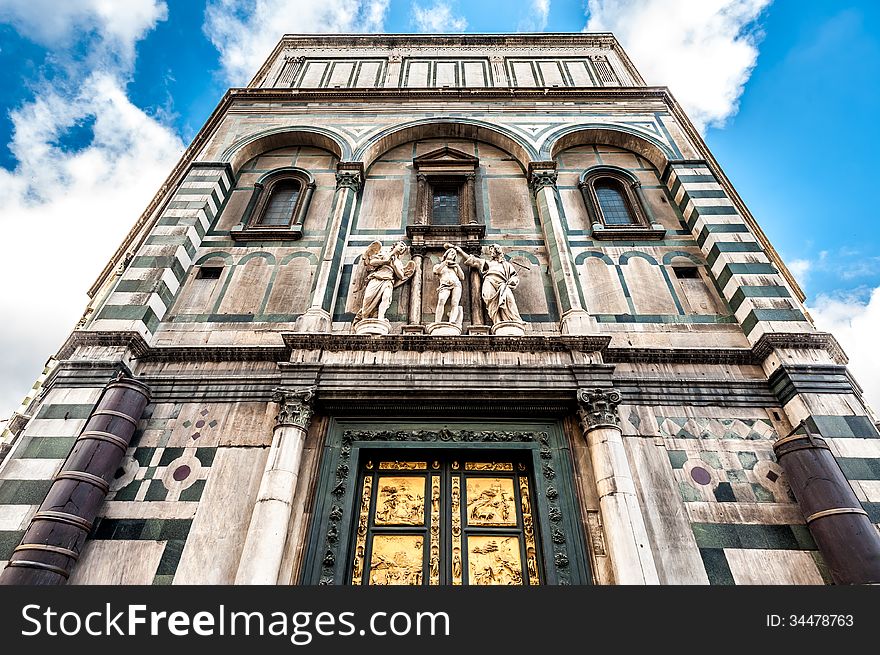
{"x":379,"y":272}
{"x":499,"y":281}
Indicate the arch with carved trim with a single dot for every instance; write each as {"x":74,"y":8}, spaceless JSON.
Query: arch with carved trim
{"x":620,"y":136}
{"x":252,"y":145}
{"x":454,"y":128}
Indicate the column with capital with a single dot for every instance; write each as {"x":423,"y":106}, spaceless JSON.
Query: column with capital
{"x":422,"y":199}
{"x":263,"y":550}
{"x":318,"y":317}
{"x":415,"y":290}
{"x":631,"y":559}
{"x":569,"y":298}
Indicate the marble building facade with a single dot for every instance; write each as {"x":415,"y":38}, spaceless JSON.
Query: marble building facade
{"x":585,"y":363}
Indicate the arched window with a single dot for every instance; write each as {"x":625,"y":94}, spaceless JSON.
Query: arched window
{"x":278,"y":206}
{"x":613,"y":202}
{"x":282,"y":202}
{"x":616,"y":206}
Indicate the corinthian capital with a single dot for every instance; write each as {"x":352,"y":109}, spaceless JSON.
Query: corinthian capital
{"x":598,"y":408}
{"x":348,"y":180}
{"x":294,"y":407}
{"x":541,"y":174}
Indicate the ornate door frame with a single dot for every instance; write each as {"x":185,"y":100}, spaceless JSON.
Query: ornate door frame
{"x":559,"y":529}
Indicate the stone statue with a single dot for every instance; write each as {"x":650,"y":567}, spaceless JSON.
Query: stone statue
{"x":379,"y":272}
{"x":499,"y":281}
{"x":449,"y":289}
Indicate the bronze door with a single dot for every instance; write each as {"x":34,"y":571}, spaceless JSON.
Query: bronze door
{"x":431,"y":519}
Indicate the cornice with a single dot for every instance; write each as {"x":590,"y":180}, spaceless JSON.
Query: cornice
{"x":338,"y":342}
{"x":771,"y":341}
{"x":131,"y":340}
{"x":385,"y":41}
{"x":464,"y":94}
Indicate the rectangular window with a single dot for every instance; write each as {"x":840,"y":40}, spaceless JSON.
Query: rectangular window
{"x":686,"y":272}
{"x":209,"y":272}
{"x":445,"y":205}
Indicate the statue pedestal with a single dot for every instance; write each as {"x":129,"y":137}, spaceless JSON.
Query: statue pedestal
{"x":373,"y":326}
{"x":314,"y":320}
{"x":443,"y":329}
{"x":577,"y":321}
{"x":509,"y":329}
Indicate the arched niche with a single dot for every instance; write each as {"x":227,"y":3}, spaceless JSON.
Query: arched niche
{"x":256,"y":144}
{"x":651,"y":149}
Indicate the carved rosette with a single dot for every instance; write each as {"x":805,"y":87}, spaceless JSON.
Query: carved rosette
{"x":598,"y":408}
{"x":348,"y":180}
{"x":294,"y":407}
{"x":542,"y":178}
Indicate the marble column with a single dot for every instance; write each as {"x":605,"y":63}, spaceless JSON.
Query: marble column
{"x":57,"y":533}
{"x":422,"y":199}
{"x":318,"y":317}
{"x":569,"y":298}
{"x":263,"y":551}
{"x":469,"y":210}
{"x":478,"y":318}
{"x":625,"y":534}
{"x":415,"y":288}
{"x":807,"y":374}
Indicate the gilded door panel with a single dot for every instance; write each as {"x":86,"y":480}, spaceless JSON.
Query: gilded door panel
{"x":491,"y":501}
{"x":397,"y":560}
{"x":494,"y":560}
{"x":401,"y":501}
{"x":451,"y":522}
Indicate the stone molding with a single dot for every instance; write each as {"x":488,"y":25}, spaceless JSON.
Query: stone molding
{"x":771,"y":341}
{"x":790,"y":380}
{"x":337,"y":342}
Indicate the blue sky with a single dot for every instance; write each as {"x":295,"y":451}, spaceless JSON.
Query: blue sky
{"x":786,"y":91}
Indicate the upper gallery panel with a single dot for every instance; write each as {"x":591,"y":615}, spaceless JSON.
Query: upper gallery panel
{"x":457,"y":61}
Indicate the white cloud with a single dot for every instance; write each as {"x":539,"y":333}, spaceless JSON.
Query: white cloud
{"x":66,"y":209}
{"x":536,"y":20}
{"x":53,"y":24}
{"x":856,"y":324}
{"x":800,"y":268}
{"x":245,"y":32}
{"x":703,"y":50}
{"x":437,"y":18}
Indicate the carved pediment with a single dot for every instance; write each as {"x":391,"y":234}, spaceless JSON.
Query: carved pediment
{"x":445,"y":158}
